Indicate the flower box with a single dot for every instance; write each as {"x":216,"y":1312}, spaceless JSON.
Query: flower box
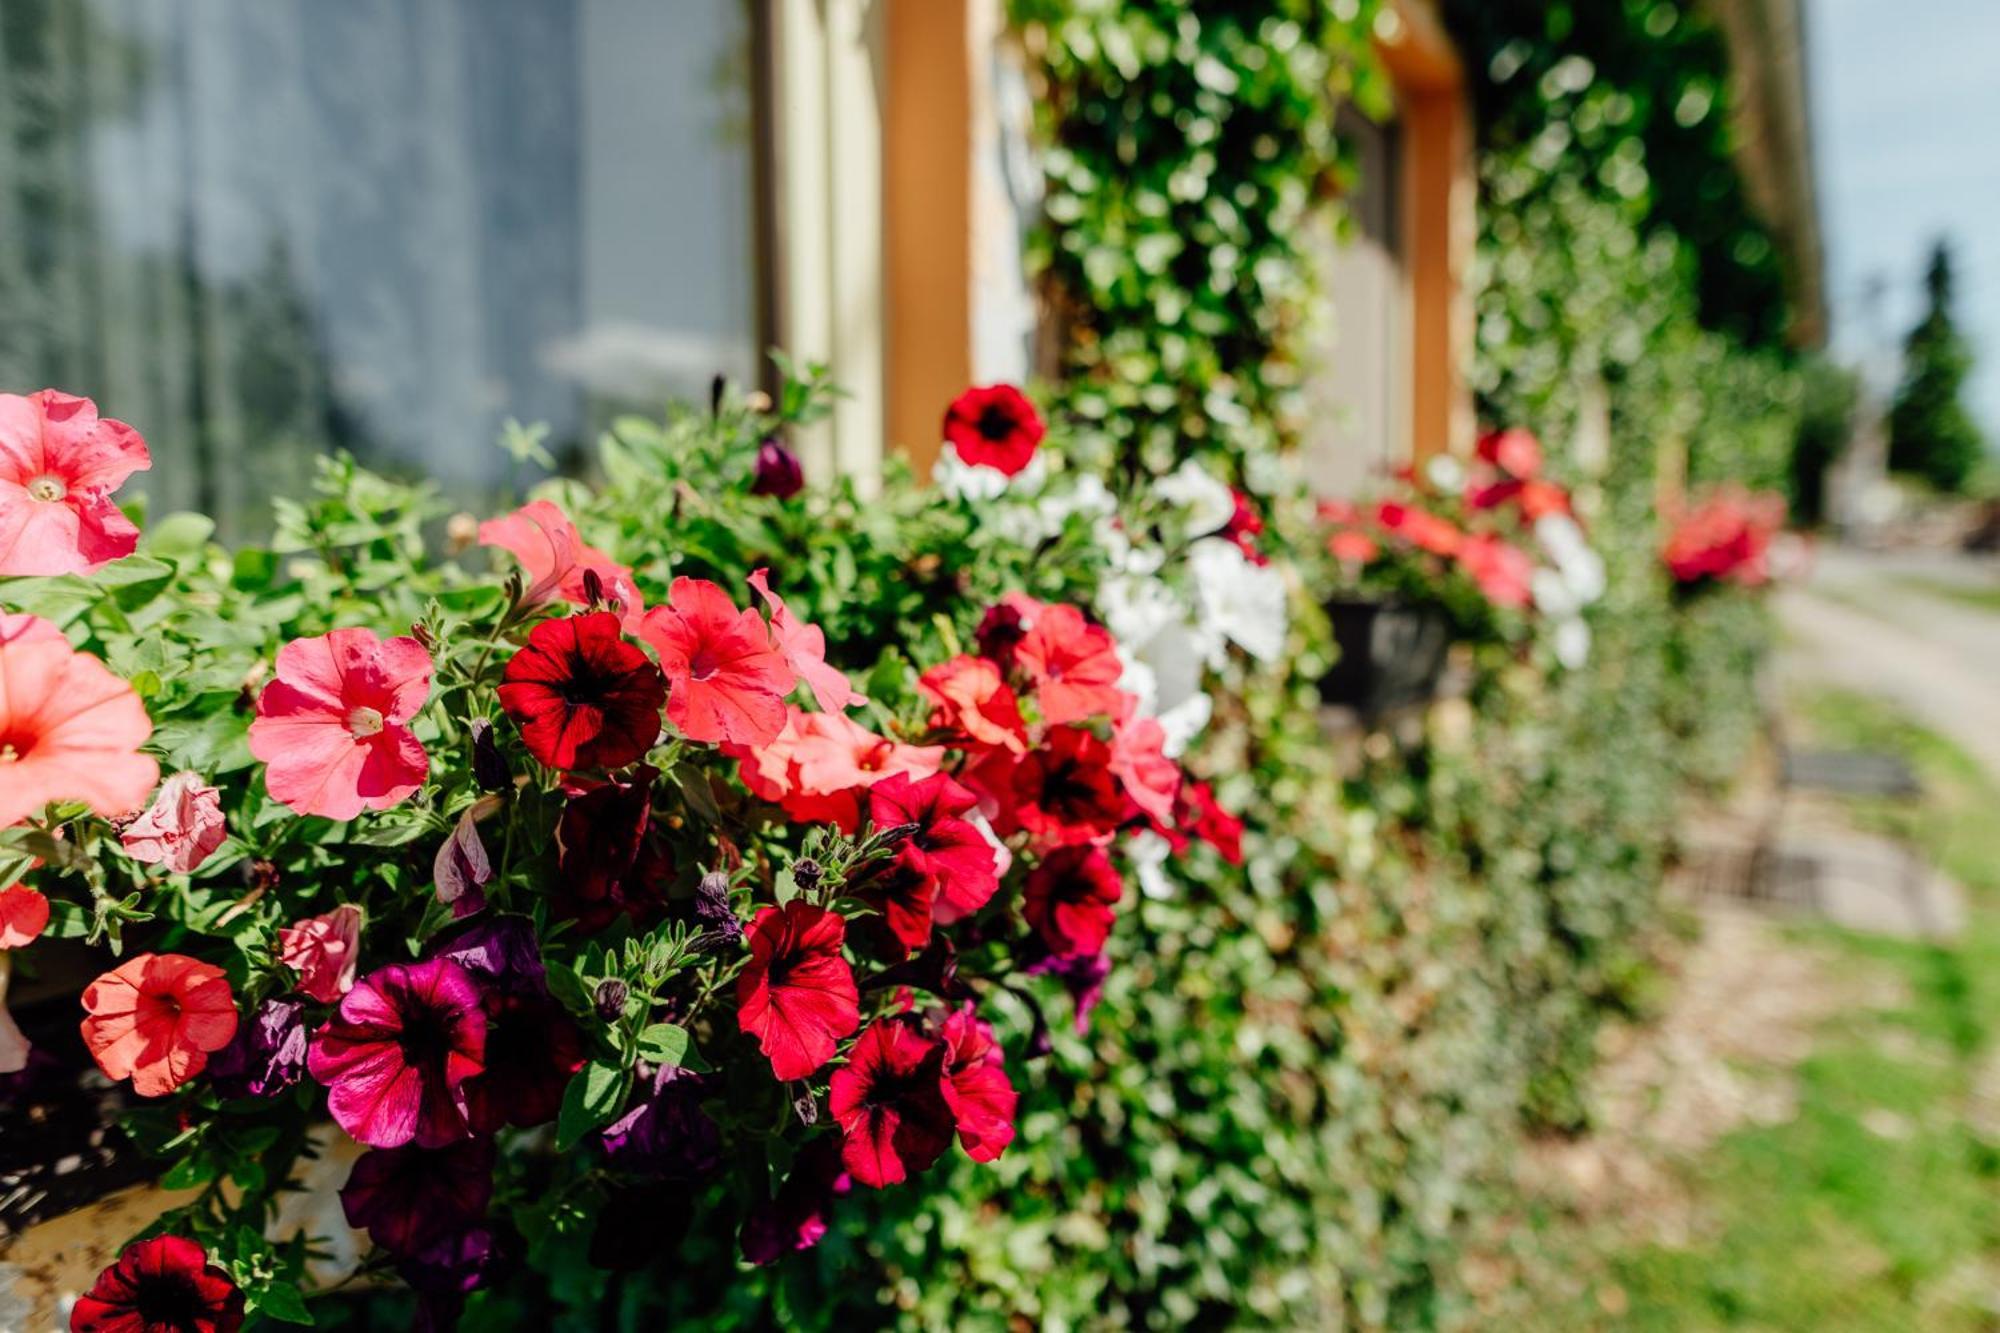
{"x":1392,"y":655}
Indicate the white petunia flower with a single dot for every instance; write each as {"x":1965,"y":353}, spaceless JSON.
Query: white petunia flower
{"x":1572,"y":642}
{"x":1582,"y":568}
{"x":1149,"y":854}
{"x":1239,"y":599}
{"x":1209,"y":504}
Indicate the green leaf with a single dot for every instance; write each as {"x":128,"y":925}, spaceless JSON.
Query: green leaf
{"x":592,"y":1099}
{"x":282,"y":1301}
{"x":700,"y":796}
{"x":189,"y":1172}
{"x":180,"y":536}
{"x":663,"y":1044}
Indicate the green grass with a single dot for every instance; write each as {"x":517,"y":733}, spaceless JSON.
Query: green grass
{"x":1985,"y":596}
{"x":1821,"y":1224}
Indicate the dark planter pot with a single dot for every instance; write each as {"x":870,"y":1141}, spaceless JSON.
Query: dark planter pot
{"x":1391,"y":656}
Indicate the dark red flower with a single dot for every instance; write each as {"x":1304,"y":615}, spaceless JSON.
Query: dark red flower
{"x":1245,"y":526}
{"x":889,"y":1103}
{"x":1066,"y":792}
{"x":1003,"y":627}
{"x":1200,"y":815}
{"x":408,"y":1199}
{"x":1070,"y":900}
{"x":796,"y":1219}
{"x":1073,"y":664}
{"x":161,"y":1285}
{"x":1514,"y":451}
{"x":777,"y":472}
{"x":944,"y":847}
{"x":994,"y":425}
{"x":610,"y":860}
{"x":532,"y":1048}
{"x":976,"y":1086}
{"x":396,"y":1055}
{"x":583,"y":696}
{"x":797,"y":995}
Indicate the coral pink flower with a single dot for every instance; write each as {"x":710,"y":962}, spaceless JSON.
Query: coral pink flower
{"x":331,"y":727}
{"x":976,"y":1086}
{"x":155,"y":1018}
{"x":585,"y":698}
{"x":944,"y":847}
{"x":804,"y":647}
{"x":556,"y":561}
{"x":1352,"y":548}
{"x":1070,"y":900}
{"x":725,"y":679}
{"x":163,"y":1284}
{"x":797,"y":996}
{"x":395,"y":1057}
{"x":59,"y":463}
{"x":1073,"y":664}
{"x":995,"y":426}
{"x":69,"y":729}
{"x":820,"y":766}
{"x":325,"y":951}
{"x":24,"y":915}
{"x":1514,"y":451}
{"x":974,"y":702}
{"x":181,"y":829}
{"x":1504,"y":572}
{"x":890,"y":1105}
{"x":1138,"y":760}
{"x":1419,"y":527}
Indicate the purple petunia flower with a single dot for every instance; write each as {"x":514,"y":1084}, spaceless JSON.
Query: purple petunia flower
{"x":409,"y":1199}
{"x":267,"y":1054}
{"x":667,"y":1134}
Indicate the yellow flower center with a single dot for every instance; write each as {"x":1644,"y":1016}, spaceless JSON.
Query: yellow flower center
{"x":363,"y":723}
{"x":46,"y":488}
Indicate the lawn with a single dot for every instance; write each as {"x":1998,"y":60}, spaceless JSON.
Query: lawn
{"x":1878,"y":1206}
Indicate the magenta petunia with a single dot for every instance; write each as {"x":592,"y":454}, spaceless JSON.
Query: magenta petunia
{"x":59,"y":464}
{"x":332,"y":728}
{"x":397,"y":1054}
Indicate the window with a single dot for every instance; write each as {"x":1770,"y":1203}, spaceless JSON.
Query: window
{"x":261,"y":230}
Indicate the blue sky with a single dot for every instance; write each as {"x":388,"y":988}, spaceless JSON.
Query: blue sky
{"x":1906,"y":117}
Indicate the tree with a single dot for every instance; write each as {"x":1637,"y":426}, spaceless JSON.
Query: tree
{"x":1931,"y":435}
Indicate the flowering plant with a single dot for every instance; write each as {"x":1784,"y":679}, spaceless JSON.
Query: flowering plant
{"x":726,"y":836}
{"x":1724,"y":536}
{"x":1495,"y":544}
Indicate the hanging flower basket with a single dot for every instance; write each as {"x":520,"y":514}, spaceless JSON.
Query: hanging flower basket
{"x":1392,"y":655}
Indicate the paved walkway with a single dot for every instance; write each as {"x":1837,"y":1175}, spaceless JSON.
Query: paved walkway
{"x":1876,"y":624}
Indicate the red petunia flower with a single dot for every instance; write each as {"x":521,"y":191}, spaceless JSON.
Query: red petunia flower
{"x":1073,"y":664}
{"x":1066,"y":792}
{"x":797,"y":996}
{"x":164,"y":1284}
{"x":396,"y":1055}
{"x":583,"y":696}
{"x":1419,"y":527}
{"x":1203,"y":817}
{"x":1503,"y":571}
{"x":1514,"y":451}
{"x":610,"y":858}
{"x":556,"y":560}
{"x":976,"y":1086}
{"x":1004,"y":625}
{"x":804,"y":649}
{"x":1245,"y":526}
{"x":332,"y":728}
{"x":59,"y":463}
{"x":889,"y":1104}
{"x":1070,"y":899}
{"x":155,"y":1019}
{"x":994,"y":426}
{"x":821,"y":765}
{"x":24,"y":915}
{"x":726,"y":681}
{"x":1139,"y":761}
{"x":944,"y":847}
{"x":180,"y":829}
{"x":974,"y":704}
{"x":325,"y":951}
{"x":69,"y":729}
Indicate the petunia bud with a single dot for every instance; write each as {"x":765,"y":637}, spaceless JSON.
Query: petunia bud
{"x":720,"y":924}
{"x":716,"y":388}
{"x":593,"y":588}
{"x":805,"y":1106}
{"x":422,"y":634}
{"x":778,"y":472}
{"x":461,"y":530}
{"x":807,"y":873}
{"x":489,"y":769}
{"x":610,"y":999}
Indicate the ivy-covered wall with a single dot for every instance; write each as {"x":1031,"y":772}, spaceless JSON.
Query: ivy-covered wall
{"x":1298,"y":1097}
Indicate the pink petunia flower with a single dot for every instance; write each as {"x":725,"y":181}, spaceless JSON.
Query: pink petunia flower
{"x":726,"y":681}
{"x":1074,"y":666}
{"x":181,"y":829}
{"x":820,"y":766}
{"x":804,"y":647}
{"x":24,"y":915}
{"x":59,"y":463}
{"x":555,"y":559}
{"x":325,"y":951}
{"x":69,"y":729}
{"x":331,"y":728}
{"x":1139,"y":761}
{"x":396,"y":1056}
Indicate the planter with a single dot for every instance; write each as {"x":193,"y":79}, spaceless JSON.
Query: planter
{"x":1391,"y":656}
